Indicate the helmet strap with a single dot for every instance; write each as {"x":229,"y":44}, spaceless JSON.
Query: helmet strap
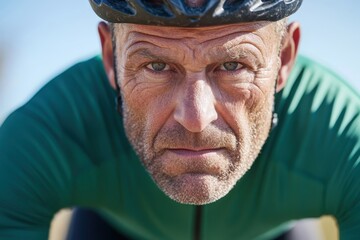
{"x":275,"y":117}
{"x":118,"y":100}
{"x":118,"y":104}
{"x":274,"y":120}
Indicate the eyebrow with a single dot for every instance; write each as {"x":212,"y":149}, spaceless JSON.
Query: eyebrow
{"x":147,"y":53}
{"x":233,"y":53}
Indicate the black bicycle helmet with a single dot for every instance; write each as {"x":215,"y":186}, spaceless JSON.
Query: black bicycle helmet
{"x":184,"y":13}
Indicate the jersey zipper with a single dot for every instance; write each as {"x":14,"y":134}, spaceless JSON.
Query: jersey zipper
{"x":197,"y":223}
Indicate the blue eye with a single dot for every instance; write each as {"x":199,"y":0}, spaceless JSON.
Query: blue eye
{"x":158,"y":66}
{"x":230,"y":66}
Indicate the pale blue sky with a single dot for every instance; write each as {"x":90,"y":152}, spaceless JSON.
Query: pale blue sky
{"x":39,"y":39}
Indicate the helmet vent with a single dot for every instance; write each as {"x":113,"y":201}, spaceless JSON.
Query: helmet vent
{"x":233,"y":5}
{"x":157,"y":8}
{"x":261,"y":5}
{"x":121,"y":5}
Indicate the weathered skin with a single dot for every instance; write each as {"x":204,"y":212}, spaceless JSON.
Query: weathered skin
{"x":197,"y":103}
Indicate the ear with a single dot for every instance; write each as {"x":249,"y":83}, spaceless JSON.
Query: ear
{"x":289,"y":50}
{"x":107,"y":51}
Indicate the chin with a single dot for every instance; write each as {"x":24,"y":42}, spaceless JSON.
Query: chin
{"x":196,"y":188}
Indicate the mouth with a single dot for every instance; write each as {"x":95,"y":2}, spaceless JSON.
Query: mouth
{"x":191,"y":152}
{"x":194,"y":161}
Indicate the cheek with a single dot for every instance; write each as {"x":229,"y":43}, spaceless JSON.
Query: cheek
{"x":263,"y":89}
{"x":257,"y":99}
{"x":247,"y":96}
{"x":244,"y":100}
{"x":232,"y":107}
{"x":241,"y":107}
{"x":150,"y":107}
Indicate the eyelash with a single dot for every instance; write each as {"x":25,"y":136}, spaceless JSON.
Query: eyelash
{"x":239,"y":66}
{"x":150,"y":67}
{"x":166,"y":73}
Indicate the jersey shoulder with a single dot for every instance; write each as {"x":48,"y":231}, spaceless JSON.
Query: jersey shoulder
{"x":312,"y":79}
{"x":53,"y":137}
{"x":318,"y":137}
{"x":319,"y":119}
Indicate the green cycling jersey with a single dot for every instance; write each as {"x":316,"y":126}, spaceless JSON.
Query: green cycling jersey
{"x":66,"y":147}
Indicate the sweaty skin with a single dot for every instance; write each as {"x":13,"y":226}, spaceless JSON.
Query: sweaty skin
{"x":197,"y":103}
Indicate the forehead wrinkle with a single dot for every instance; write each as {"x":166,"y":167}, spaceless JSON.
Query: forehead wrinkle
{"x":200,"y":33}
{"x":263,"y":44}
{"x":135,"y":37}
{"x":247,"y":37}
{"x":197,"y":33}
{"x":193,"y":43}
{"x":224,"y":46}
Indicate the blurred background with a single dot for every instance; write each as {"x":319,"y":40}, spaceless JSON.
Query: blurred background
{"x":39,"y":39}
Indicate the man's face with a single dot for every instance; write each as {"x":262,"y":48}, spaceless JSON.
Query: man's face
{"x":197,"y":103}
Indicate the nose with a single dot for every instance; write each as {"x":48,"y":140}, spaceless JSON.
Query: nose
{"x":195,"y":108}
